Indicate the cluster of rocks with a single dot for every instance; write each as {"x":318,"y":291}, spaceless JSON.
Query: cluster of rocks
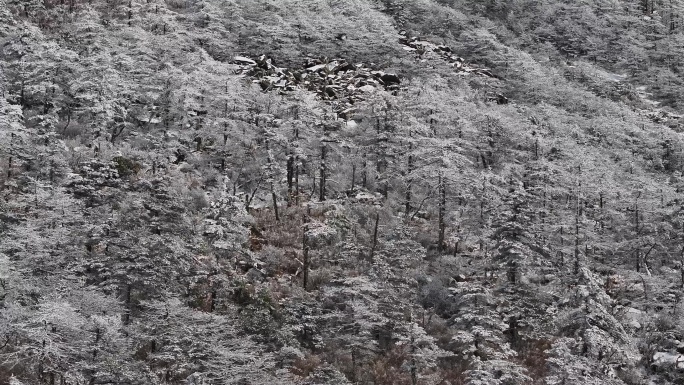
{"x":421,"y":47}
{"x":331,"y":79}
{"x":341,"y":81}
{"x":664,"y":117}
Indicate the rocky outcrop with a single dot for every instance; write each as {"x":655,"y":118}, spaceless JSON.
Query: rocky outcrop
{"x":342,"y":82}
{"x":331,"y":79}
{"x":421,"y":47}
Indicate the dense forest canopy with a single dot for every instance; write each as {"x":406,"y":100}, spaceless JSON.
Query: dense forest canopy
{"x":387,"y":192}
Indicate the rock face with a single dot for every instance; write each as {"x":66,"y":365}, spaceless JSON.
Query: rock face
{"x":344,"y":82}
{"x":421,"y":47}
{"x":331,"y":79}
{"x":664,"y":117}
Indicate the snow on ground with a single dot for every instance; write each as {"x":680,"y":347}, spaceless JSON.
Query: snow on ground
{"x":668,"y":359}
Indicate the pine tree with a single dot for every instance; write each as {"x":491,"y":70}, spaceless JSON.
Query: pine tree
{"x":512,"y":234}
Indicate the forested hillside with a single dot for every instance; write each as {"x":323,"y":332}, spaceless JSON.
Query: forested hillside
{"x":372,"y":192}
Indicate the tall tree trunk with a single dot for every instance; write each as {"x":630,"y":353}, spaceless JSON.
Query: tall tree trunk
{"x":322,"y":182}
{"x":407,"y":198}
{"x":409,"y":183}
{"x":22,"y":96}
{"x":68,"y":120}
{"x":305,"y":252}
{"x":375,"y":237}
{"x":577,"y":226}
{"x":275,"y":203}
{"x":296,"y":184}
{"x":127,"y":304}
{"x":681,"y":266}
{"x":212,"y":301}
{"x":364,"y":175}
{"x":290,"y":176}
{"x":637,"y":231}
{"x":353,"y":181}
{"x":414,"y":366}
{"x":482,"y":200}
{"x":442,"y":212}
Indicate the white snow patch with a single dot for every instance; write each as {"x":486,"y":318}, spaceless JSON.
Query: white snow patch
{"x":646,"y":96}
{"x":351,"y":124}
{"x":244,"y":60}
{"x":616,"y":77}
{"x":665,"y":358}
{"x":634,"y":317}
